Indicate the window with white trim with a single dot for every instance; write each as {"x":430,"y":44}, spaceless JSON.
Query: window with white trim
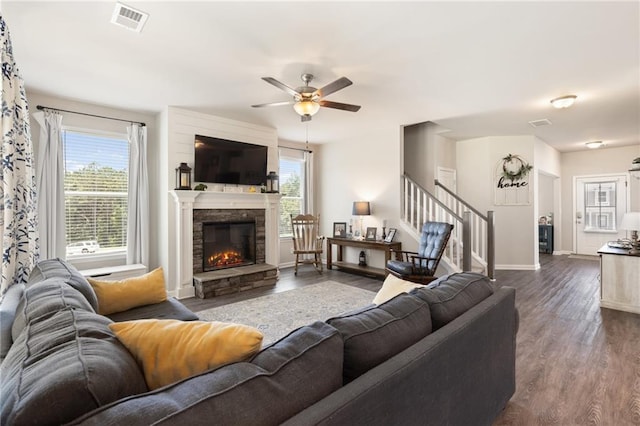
{"x":96,"y":180}
{"x":292,"y":188}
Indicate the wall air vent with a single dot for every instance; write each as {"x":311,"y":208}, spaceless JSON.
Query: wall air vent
{"x":128,"y":17}
{"x":539,"y":123}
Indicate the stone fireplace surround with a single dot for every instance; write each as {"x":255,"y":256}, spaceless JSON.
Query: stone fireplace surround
{"x":188,"y":202}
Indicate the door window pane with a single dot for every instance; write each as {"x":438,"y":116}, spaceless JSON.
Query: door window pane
{"x":600,"y":206}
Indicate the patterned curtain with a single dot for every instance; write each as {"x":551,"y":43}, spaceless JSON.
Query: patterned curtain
{"x":18,"y":210}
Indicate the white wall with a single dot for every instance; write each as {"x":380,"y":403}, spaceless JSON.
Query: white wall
{"x":93,"y":123}
{"x":351,"y":170}
{"x":594,"y":162}
{"x":516,"y":225}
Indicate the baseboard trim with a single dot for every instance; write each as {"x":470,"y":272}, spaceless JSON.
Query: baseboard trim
{"x":518,"y":267}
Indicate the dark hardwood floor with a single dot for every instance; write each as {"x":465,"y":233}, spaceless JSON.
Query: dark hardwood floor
{"x":576,"y":364}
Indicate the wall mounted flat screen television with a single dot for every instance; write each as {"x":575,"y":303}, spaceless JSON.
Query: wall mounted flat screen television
{"x":224,"y":161}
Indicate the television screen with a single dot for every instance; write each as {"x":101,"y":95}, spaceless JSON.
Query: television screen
{"x":224,"y":161}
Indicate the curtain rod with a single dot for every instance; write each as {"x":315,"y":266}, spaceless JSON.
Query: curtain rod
{"x":295,"y":149}
{"x":40,"y":107}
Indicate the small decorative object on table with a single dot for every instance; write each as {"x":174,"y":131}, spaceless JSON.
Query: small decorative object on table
{"x":340,"y":229}
{"x":371,"y":233}
{"x":390,"y":235}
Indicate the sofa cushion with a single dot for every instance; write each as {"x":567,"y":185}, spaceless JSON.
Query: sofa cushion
{"x":452,"y":295}
{"x":281,"y":380}
{"x":171,"y":350}
{"x":121,"y":295}
{"x":169,"y":309}
{"x":46,"y":298}
{"x":58,"y":268}
{"x":373,"y":335}
{"x":8,"y":308}
{"x":392,"y":287}
{"x":63,"y":365}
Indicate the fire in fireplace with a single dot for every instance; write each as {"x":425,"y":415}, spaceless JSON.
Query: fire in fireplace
{"x":228,"y":244}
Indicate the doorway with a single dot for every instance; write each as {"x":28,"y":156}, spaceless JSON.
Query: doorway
{"x":601,"y":201}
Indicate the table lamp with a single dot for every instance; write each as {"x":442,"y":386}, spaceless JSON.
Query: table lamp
{"x":361,"y":208}
{"x":631,"y":222}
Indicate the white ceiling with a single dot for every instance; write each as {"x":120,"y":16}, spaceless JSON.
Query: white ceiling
{"x":478,"y":68}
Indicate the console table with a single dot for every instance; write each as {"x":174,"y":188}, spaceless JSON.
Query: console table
{"x":362,"y":244}
{"x":619,"y":279}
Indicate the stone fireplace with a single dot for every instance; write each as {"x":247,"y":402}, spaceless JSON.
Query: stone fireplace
{"x":193,"y":210}
{"x":228,"y":245}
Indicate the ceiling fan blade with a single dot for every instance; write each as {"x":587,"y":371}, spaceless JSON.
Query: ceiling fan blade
{"x":330,"y":88}
{"x":339,"y":105}
{"x":305,"y":117}
{"x":274,"y":104}
{"x":281,"y":86}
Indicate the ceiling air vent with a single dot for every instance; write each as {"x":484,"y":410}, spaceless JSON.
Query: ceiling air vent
{"x":129,"y":17}
{"x":539,"y":123}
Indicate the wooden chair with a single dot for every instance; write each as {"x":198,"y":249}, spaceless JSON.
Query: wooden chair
{"x":420,"y":266}
{"x":307,"y":240}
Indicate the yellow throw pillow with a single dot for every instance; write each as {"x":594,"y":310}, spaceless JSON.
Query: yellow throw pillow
{"x":122,"y":295}
{"x":171,"y":350}
{"x":392,"y":287}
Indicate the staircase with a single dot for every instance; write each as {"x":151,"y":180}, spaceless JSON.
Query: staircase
{"x":472,"y":243}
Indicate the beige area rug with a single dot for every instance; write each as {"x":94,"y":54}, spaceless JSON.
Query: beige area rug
{"x":277,"y":314}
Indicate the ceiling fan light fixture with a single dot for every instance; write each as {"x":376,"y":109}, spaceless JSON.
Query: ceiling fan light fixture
{"x":306,"y":107}
{"x":563,"y":101}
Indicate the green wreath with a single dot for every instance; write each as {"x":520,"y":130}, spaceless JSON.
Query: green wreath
{"x":523,"y":169}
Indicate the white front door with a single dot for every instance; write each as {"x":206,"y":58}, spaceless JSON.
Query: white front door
{"x":601,"y":201}
{"x":447,"y":177}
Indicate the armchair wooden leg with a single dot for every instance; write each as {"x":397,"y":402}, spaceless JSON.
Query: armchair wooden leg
{"x":295,"y":271}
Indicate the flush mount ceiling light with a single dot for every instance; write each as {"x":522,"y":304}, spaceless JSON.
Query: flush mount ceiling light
{"x":594,"y":144}
{"x":563,"y":101}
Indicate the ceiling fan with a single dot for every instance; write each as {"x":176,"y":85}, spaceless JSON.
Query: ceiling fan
{"x":307,"y":100}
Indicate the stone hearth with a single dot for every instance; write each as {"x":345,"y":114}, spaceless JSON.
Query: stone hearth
{"x":233,"y":280}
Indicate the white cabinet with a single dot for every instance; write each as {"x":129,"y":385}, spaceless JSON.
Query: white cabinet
{"x":619,"y":280}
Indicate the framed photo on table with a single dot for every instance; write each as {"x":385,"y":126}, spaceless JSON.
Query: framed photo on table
{"x":371,"y":233}
{"x":390,"y":235}
{"x":340,"y":229}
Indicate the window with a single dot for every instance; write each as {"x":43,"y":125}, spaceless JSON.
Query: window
{"x":95,"y":191}
{"x":292,"y":188}
{"x":600,"y":206}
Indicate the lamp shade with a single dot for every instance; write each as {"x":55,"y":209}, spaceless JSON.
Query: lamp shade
{"x":631,"y":221}
{"x":361,"y":208}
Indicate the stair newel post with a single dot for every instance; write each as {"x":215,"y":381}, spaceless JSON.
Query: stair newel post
{"x":466,"y":241}
{"x":491,"y":245}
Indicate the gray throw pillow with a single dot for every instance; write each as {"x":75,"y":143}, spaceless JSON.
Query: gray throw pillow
{"x":373,"y":335}
{"x":452,"y":295}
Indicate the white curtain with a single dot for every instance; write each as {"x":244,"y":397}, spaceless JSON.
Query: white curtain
{"x":308,"y":182}
{"x":18,"y":211}
{"x":138,"y":202}
{"x":50,"y":186}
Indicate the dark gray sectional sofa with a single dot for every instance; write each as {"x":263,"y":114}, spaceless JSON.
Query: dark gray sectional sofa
{"x":440,"y":355}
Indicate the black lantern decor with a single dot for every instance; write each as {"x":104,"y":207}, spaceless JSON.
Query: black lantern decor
{"x":273,"y":182}
{"x":183,"y":177}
